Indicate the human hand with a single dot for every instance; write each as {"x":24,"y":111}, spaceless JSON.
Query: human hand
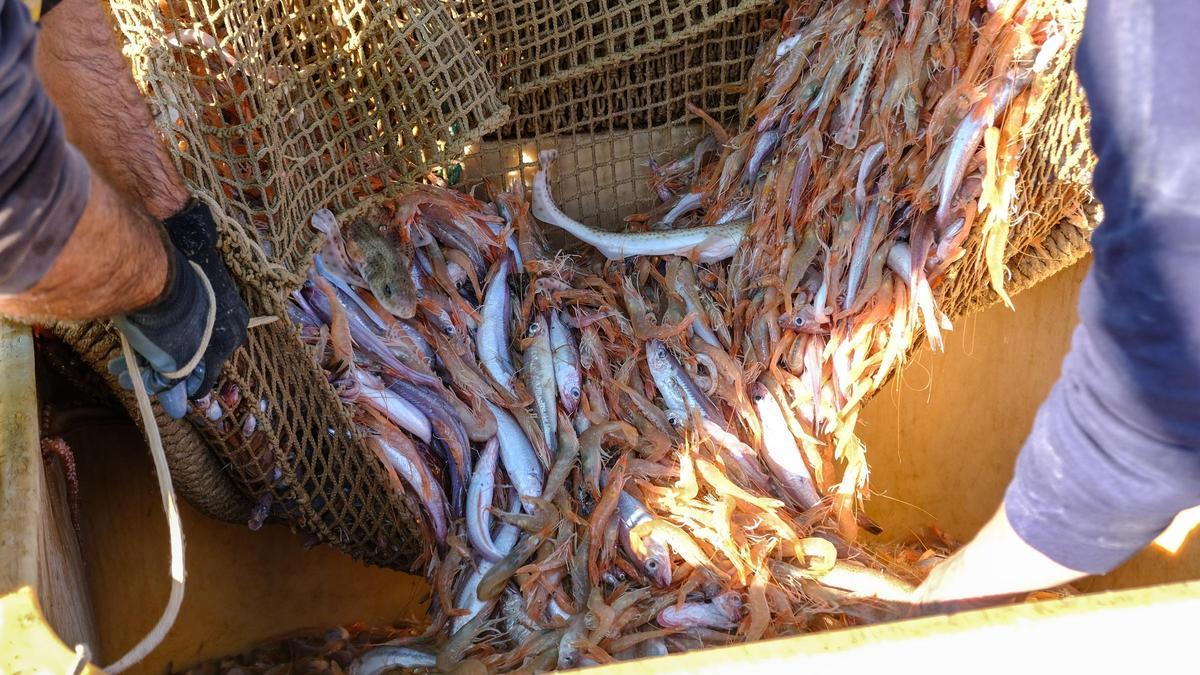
{"x":184,"y":338}
{"x":996,"y":567}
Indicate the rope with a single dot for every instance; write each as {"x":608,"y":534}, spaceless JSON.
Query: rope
{"x":170,"y":507}
{"x":209,"y":322}
{"x":83,"y":656}
{"x":167,"y":491}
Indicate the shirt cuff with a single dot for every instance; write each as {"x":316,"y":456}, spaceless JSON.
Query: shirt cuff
{"x":51,"y":216}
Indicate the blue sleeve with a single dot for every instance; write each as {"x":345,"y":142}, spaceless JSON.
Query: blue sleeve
{"x":1114,"y":452}
{"x":44,"y":181}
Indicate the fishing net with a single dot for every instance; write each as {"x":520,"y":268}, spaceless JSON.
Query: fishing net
{"x":195,"y":471}
{"x":276,"y":108}
{"x":1054,"y":207}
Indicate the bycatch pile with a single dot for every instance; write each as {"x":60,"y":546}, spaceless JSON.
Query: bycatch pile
{"x":648,"y":446}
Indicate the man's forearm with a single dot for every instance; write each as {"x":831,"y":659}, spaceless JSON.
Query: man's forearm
{"x":106,"y":117}
{"x":70,"y":246}
{"x":115,"y":261}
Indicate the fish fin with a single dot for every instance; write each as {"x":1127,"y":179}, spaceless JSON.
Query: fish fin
{"x":696,"y":253}
{"x":325,"y":222}
{"x":606,"y":251}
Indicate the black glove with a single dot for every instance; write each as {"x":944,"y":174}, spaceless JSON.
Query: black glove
{"x":168,"y":335}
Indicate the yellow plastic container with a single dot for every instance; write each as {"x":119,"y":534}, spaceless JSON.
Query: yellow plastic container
{"x":942,"y":443}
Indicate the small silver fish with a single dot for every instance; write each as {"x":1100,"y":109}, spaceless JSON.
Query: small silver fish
{"x":566,"y":363}
{"x":403,"y":456}
{"x":390,"y":657}
{"x":655,"y":560}
{"x":539,"y":376}
{"x":479,"y":503}
{"x":678,"y":390}
{"x":517,"y":454}
{"x":491,"y":338}
{"x":687,"y":203}
{"x":780,"y":453}
{"x":711,"y":244}
{"x":683,"y":281}
{"x":468,"y":596}
{"x":723,"y":612}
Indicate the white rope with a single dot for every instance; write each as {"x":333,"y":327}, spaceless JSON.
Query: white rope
{"x":209,"y":321}
{"x":170,"y":506}
{"x":83,"y":656}
{"x":167,"y":491}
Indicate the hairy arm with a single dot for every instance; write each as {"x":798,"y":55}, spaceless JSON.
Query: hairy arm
{"x":106,"y":117}
{"x":71,"y":246}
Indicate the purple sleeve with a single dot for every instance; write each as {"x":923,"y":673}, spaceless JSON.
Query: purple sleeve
{"x":44,"y":181}
{"x":1115,"y":450}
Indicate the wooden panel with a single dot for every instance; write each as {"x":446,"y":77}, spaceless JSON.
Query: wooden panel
{"x":944,"y":435}
{"x":1144,"y":630}
{"x":20,"y":461}
{"x":63,"y":590}
{"x":37,"y":568}
{"x":243,"y":587}
{"x":943,"y":439}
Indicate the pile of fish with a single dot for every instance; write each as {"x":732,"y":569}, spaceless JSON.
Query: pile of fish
{"x":314,"y":652}
{"x":874,"y":139}
{"x":584,"y":492}
{"x":649,"y":447}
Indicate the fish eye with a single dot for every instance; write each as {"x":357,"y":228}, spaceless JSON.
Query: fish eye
{"x":449,"y":330}
{"x":651,"y":564}
{"x":389,"y":289}
{"x":575,"y":392}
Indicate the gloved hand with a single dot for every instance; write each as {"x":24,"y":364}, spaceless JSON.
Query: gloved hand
{"x":177,"y":362}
